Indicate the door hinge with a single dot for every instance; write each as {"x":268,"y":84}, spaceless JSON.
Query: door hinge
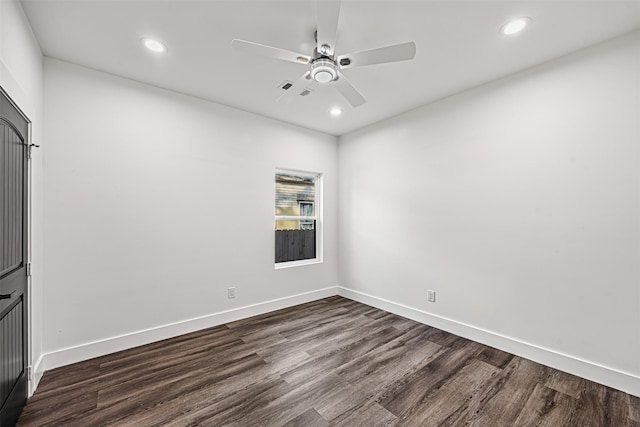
{"x":29,"y":149}
{"x":30,"y":373}
{"x":28,"y":269}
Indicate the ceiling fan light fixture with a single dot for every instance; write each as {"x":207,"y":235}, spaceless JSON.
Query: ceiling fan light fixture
{"x":515,"y":26}
{"x":324,"y":65}
{"x":324,"y":71}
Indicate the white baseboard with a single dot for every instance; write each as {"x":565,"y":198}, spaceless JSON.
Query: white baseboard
{"x":38,"y":371}
{"x":93,"y":349}
{"x":623,"y":381}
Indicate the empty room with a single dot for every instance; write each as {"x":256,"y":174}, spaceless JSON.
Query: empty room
{"x":319,"y":213}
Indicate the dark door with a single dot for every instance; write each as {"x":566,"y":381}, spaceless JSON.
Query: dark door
{"x":13,"y":261}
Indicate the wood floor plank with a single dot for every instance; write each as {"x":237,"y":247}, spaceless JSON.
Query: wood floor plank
{"x":369,"y":414}
{"x":394,"y":320}
{"x":331,"y":362}
{"x":355,"y":333}
{"x":59,"y":412}
{"x":634,"y":406}
{"x":343,"y":399}
{"x":58,"y":380}
{"x":172,"y":361}
{"x":207,"y":368}
{"x":319,"y":366}
{"x":452,"y":401}
{"x":388,"y":364}
{"x":312,"y":337}
{"x":505,"y":395}
{"x":568,"y":384}
{"x":495,"y":357}
{"x":310,"y":418}
{"x":207,"y":406}
{"x":375,"y":313}
{"x":324,"y":328}
{"x":413,"y":391}
{"x":547,"y":407}
{"x":295,"y":402}
{"x":600,"y":405}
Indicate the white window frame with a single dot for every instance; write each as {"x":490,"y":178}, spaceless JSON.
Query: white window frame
{"x":317,"y":217}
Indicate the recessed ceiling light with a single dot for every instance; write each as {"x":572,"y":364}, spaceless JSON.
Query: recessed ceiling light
{"x":335,"y":111}
{"x":153,"y":45}
{"x":515,"y":26}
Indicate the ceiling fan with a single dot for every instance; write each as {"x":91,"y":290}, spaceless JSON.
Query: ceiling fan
{"x":324,"y":65}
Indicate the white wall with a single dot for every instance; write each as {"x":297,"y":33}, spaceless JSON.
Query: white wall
{"x":518,"y":202}
{"x":21,"y":77}
{"x":157,"y":202}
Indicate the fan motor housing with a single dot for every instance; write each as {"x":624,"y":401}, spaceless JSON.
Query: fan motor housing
{"x":324,"y":70}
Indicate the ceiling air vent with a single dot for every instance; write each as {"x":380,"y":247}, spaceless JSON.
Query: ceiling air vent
{"x":305,"y":92}
{"x":285,"y":85}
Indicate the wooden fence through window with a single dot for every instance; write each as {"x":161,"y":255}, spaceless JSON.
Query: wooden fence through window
{"x":295,"y":245}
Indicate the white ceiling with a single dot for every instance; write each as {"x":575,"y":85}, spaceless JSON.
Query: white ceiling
{"x":458,"y":47}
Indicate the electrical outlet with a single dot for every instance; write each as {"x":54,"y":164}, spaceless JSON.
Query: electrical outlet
{"x":431,"y":296}
{"x":231,"y":292}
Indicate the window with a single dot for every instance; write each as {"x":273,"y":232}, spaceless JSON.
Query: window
{"x":297,"y":218}
{"x":306,"y":209}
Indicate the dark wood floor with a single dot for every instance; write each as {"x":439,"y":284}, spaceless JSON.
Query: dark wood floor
{"x":332,"y":362}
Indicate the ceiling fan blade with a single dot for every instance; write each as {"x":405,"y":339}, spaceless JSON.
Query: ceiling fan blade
{"x":328,"y":13}
{"x":270,"y":51}
{"x":397,"y":52}
{"x":347,"y":90}
{"x":295,"y":89}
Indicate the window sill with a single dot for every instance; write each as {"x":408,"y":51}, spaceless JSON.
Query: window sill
{"x":289,"y":264}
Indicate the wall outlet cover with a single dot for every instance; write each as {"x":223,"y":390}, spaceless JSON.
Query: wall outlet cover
{"x":431,"y":296}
